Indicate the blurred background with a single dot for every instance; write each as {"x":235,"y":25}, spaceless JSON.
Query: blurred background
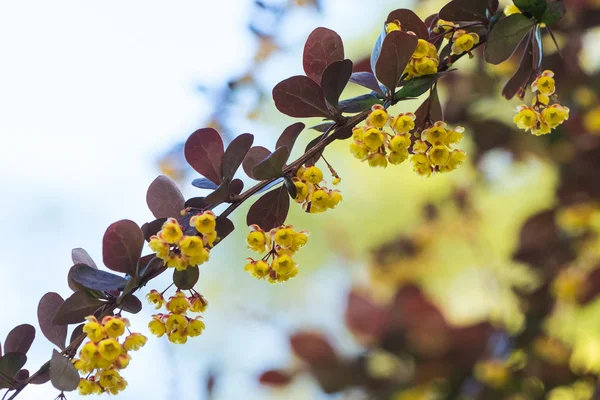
{"x":480,"y":283}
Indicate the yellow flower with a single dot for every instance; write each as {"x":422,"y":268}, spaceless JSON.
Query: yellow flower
{"x":178,"y":304}
{"x":569,"y":285}
{"x":257,"y":240}
{"x":425,"y":66}
{"x":421,"y":164}
{"x":283,"y":264}
{"x":94,"y":330}
{"x":403,"y":123}
{"x":209,"y":238}
{"x":457,"y":157}
{"x":585,"y":358}
{"x":157,"y":326}
{"x":83,"y":366}
{"x":261,"y":269}
{"x":555,"y":115}
{"x":437,"y":134}
{"x":336,"y":180}
{"x":358,"y":133}
{"x":334,"y":199}
{"x":439,"y":155}
{"x":541,"y":99}
{"x":526,"y":118}
{"x":398,"y":157}
{"x":378,"y":118}
{"x":420,"y":146}
{"x":284,"y":237}
{"x":159,"y":246}
{"x":155,"y":298}
{"x":191,"y":246}
{"x":134,"y":341}
{"x":109,"y":349}
{"x":85,"y":387}
{"x":493,"y":373}
{"x":300,"y":239}
{"x":373,"y":139}
{"x":109,"y":378}
{"x":102,"y":363}
{"x":313,"y":175}
{"x":122,"y":361}
{"x":88,"y":352}
{"x":399,"y":142}
{"x":114,"y":326}
{"x":177,"y":261}
{"x":392,"y":26}
{"x":464,"y":41}
{"x":176,"y":322}
{"x":377,"y":160}
{"x":301,"y":191}
{"x":454,"y":135}
{"x":200,"y":259}
{"x":541,"y":129}
{"x":444,"y":26}
{"x":422,"y":49}
{"x":178,"y":337}
{"x":205,"y":222}
{"x":320,"y":199}
{"x":511,"y":9}
{"x":198,"y":303}
{"x":544,"y":83}
{"x":358,"y":149}
{"x":119,"y":387}
{"x":195,"y":327}
{"x":171,"y":231}
{"x":591,"y":121}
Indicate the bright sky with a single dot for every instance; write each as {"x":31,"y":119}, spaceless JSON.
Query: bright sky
{"x":90,"y":94}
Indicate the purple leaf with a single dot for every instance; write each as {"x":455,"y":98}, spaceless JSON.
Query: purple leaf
{"x":224,"y":227}
{"x":322,"y":47}
{"x":220,"y":194}
{"x":430,"y":109}
{"x":204,"y":151}
{"x":47,"y":307}
{"x":366,"y":79}
{"x":255,"y":155}
{"x":80,"y":256}
{"x":322,"y":127}
{"x":271,"y":167}
{"x":235,"y":187}
{"x":153,"y":227}
{"x":75,"y":308}
{"x":270,"y":210}
{"x":204,"y":183}
{"x":522,"y":74}
{"x":95,"y":279}
{"x":235,"y":153}
{"x":122,"y":246}
{"x":409,"y":21}
{"x":131,"y":304}
{"x":63,"y":374}
{"x":334,"y":80}
{"x":300,"y":97}
{"x":289,"y":135}
{"x":396,"y":51}
{"x":19,"y":339}
{"x":464,"y":10}
{"x":164,"y":198}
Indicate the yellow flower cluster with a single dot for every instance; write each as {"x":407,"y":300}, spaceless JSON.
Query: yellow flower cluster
{"x":373,"y":144}
{"x":424,"y":61}
{"x":541,"y":117}
{"x":280,"y":244}
{"x":463,"y":41}
{"x":181,"y":251}
{"x":103,"y":356}
{"x":442,"y":26}
{"x":176,"y":324}
{"x":434,"y":152}
{"x":311,"y":192}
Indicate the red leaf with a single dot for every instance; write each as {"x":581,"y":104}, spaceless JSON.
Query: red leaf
{"x":334,"y":80}
{"x":271,"y":167}
{"x":275,"y":378}
{"x":464,"y":10}
{"x":322,"y":47}
{"x":289,"y":135}
{"x":164,"y":198}
{"x":409,"y":22}
{"x":204,"y":151}
{"x":80,"y":256}
{"x":366,"y":79}
{"x":255,"y":155}
{"x":19,"y":339}
{"x":47,"y":307}
{"x":312,"y":347}
{"x":300,"y":97}
{"x":270,"y":210}
{"x":365,"y":317}
{"x":396,"y":51}
{"x":522,"y":75}
{"x":235,"y":153}
{"x":122,"y":246}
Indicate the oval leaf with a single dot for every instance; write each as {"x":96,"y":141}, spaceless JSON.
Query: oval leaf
{"x":275,"y":378}
{"x":409,"y":21}
{"x":42,"y":375}
{"x":220,"y":194}
{"x":300,"y":97}
{"x":19,"y":339}
{"x":155,"y":267}
{"x":131,"y":304}
{"x":366,"y":79}
{"x":235,"y":187}
{"x":533,"y":7}
{"x":464,"y":10}
{"x":47,"y":307}
{"x":270,"y":210}
{"x":505,"y":37}
{"x":95,"y":279}
{"x":271,"y":167}
{"x":164,"y":198}
{"x":203,"y":183}
{"x":312,"y":347}
{"x":204,"y":151}
{"x":10,"y":365}
{"x":359,"y":103}
{"x":80,"y":256}
{"x":289,"y":135}
{"x":429,"y":110}
{"x":63,"y":374}
{"x":334,"y":80}
{"x":290,"y":186}
{"x":187,"y":278}
{"x":235,"y":153}
{"x":554,"y":12}
{"x":417,"y":86}
{"x":522,"y":74}
{"x":224,"y":227}
{"x":122,"y":246}
{"x":255,"y":155}
{"x":322,"y":48}
{"x":396,"y":51}
{"x":77,"y":331}
{"x":74,"y":309}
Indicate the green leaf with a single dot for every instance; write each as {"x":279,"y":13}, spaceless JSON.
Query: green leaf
{"x":505,"y":36}
{"x":187,"y":278}
{"x":554,"y":12}
{"x":10,"y":365}
{"x":76,"y":308}
{"x":535,"y":8}
{"x":417,"y":86}
{"x":271,"y":167}
{"x":359,"y":103}
{"x":63,"y":374}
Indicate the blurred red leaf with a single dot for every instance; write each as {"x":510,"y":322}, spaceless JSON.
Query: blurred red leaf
{"x":364,"y":317}
{"x":275,"y":377}
{"x":312,"y":347}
